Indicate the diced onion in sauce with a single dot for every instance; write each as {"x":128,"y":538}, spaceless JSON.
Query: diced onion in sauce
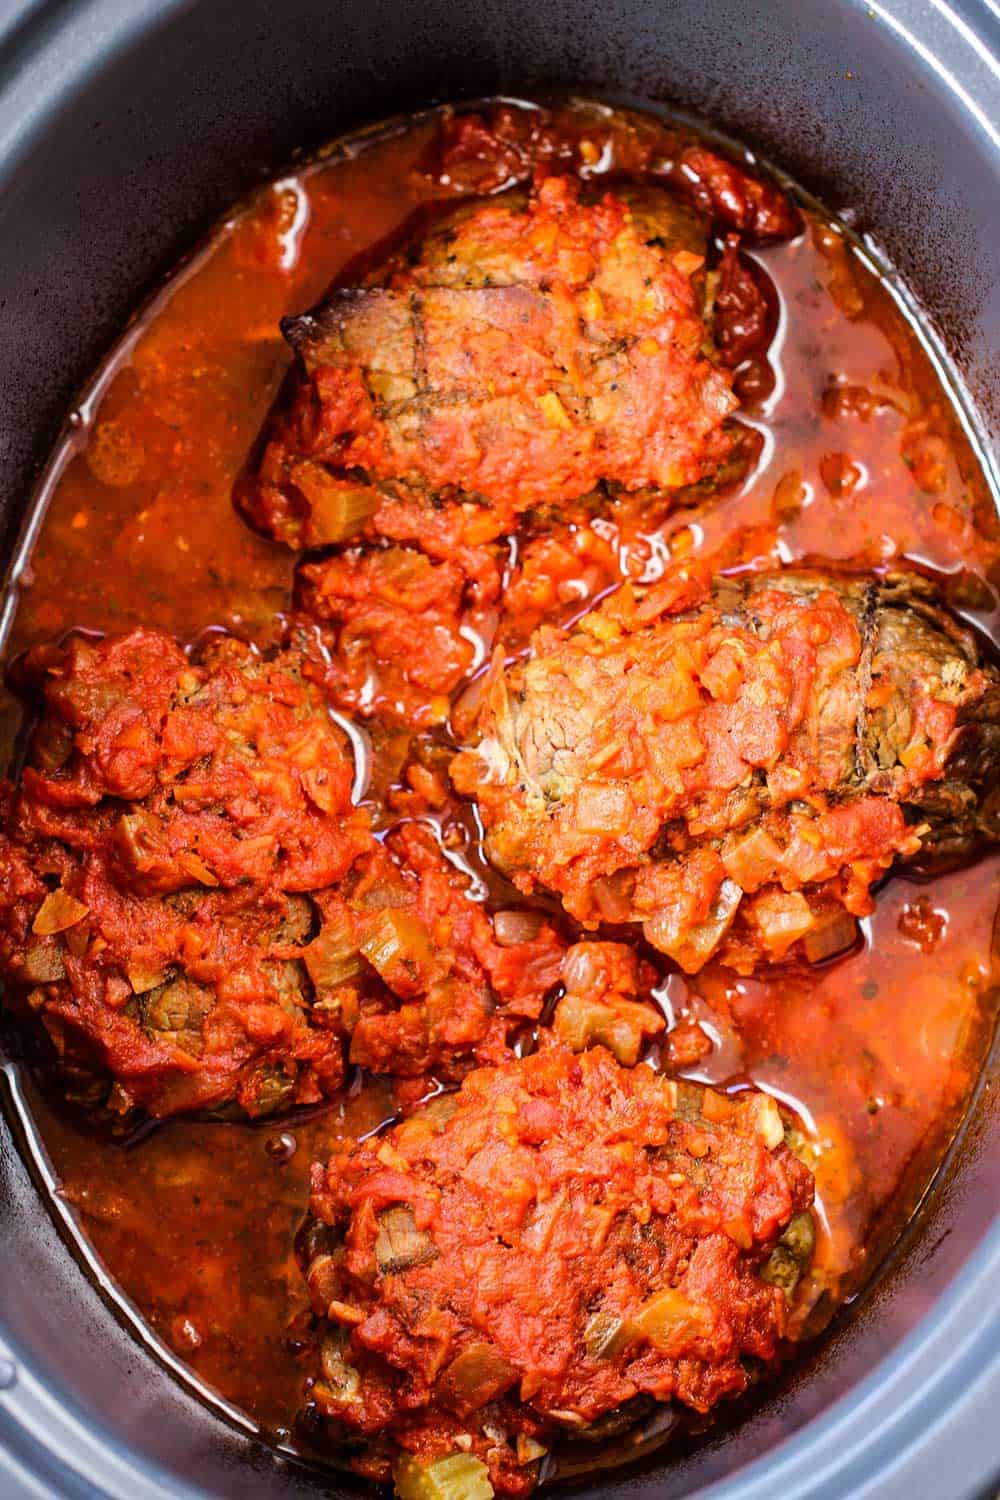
{"x":457,"y":1477}
{"x":753,"y":860}
{"x":693,"y":950}
{"x":670,"y":1321}
{"x":834,"y":932}
{"x":342,"y":1379}
{"x":400,"y":1244}
{"x":58,"y":911}
{"x":514,"y":927}
{"x":477,"y":1375}
{"x":770,"y":1125}
{"x":782,"y":918}
{"x":581,"y":971}
{"x":42,"y":964}
{"x":529,"y":1449}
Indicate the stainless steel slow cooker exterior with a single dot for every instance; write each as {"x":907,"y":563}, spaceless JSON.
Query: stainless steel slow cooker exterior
{"x":125,"y":127}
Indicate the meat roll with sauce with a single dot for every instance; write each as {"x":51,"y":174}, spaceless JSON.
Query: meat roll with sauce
{"x":531,"y":349}
{"x":154,"y":869}
{"x":545,"y":1254}
{"x":190,"y":902}
{"x":734,"y":767}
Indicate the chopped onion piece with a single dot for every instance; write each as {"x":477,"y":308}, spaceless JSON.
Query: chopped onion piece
{"x":834,"y":932}
{"x":400,"y":1245}
{"x":528,"y":1449}
{"x":514,"y":927}
{"x":343,"y":1380}
{"x":770,"y":1126}
{"x":58,"y":911}
{"x":477,"y":1375}
{"x":782,"y":918}
{"x":457,"y":1477}
{"x":672,"y":1323}
{"x":693,"y":947}
{"x":753,"y":860}
{"x":43,"y":964}
{"x":581,"y":971}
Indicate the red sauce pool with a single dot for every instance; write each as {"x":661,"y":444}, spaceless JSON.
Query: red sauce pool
{"x":877,"y":1051}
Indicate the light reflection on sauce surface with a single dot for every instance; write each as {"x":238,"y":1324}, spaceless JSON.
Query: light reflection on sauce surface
{"x":877,"y":1051}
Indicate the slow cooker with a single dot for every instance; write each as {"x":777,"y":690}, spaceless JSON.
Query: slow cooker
{"x":126,"y":127}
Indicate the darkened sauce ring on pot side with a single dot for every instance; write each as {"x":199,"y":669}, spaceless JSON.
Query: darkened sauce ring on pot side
{"x":855,"y":456}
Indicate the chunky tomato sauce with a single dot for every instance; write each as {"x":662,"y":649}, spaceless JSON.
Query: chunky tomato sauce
{"x":849,"y":450}
{"x":545,"y":1250}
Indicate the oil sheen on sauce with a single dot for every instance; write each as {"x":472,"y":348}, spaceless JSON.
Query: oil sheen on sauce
{"x":862,"y":458}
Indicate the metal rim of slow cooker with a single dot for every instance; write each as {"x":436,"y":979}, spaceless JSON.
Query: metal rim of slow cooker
{"x":938,"y":1390}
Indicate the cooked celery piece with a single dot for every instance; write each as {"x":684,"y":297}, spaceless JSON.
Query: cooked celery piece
{"x":457,"y":1477}
{"x":581,"y":1023}
{"x":790,"y":1257}
{"x":396,"y":938}
{"x":607,"y":1335}
{"x":332,"y":958}
{"x":339,"y":508}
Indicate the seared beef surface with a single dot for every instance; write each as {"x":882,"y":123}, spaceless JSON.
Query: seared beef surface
{"x":735,"y":765}
{"x":539,"y":1255}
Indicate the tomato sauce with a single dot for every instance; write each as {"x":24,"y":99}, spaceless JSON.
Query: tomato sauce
{"x":453,"y":1243}
{"x":860,"y":454}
